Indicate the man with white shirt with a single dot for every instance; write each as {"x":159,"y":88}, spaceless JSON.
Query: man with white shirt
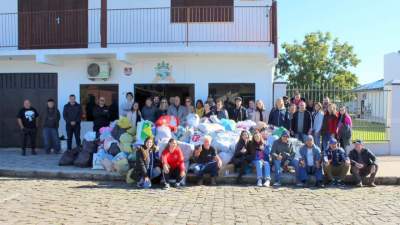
{"x":310,"y":163}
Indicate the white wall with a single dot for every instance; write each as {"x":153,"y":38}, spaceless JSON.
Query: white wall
{"x":392,"y":66}
{"x":198,"y":70}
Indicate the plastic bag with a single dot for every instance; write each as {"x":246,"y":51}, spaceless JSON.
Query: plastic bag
{"x":89,"y":146}
{"x":69,"y":157}
{"x":163,"y":132}
{"x":125,"y":147}
{"x":171,"y":121}
{"x":90,"y":136}
{"x":144,"y":130}
{"x":114,"y":149}
{"x":107,"y":164}
{"x":124,"y":122}
{"x":208,"y":128}
{"x":108,"y":142}
{"x":105,"y":129}
{"x":225,"y":141}
{"x":246,"y":125}
{"x":126,"y":138}
{"x":215,"y":119}
{"x":197,"y":138}
{"x":225,"y":157}
{"x":229,"y":125}
{"x":98,"y":157}
{"x":193,"y":120}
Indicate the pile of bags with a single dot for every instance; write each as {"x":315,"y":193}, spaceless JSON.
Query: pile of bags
{"x":115,"y":149}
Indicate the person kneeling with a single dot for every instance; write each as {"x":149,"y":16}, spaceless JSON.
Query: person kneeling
{"x":310,"y":162}
{"x":363,"y":163}
{"x":206,"y":161}
{"x":173,"y":164}
{"x":148,"y":164}
{"x":260,"y":154}
{"x":336,"y":163}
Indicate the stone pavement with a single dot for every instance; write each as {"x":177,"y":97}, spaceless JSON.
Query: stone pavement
{"x":32,"y":201}
{"x":12,"y":164}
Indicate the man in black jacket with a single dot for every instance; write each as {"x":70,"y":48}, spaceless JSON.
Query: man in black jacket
{"x":27,"y":119}
{"x":363,"y":163}
{"x":302,"y":123}
{"x":239,"y":113}
{"x":101,"y":115}
{"x":72,"y":115}
{"x":51,"y":122}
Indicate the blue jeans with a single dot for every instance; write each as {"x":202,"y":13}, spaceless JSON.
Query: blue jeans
{"x":278,"y":168}
{"x":309,"y":170}
{"x":325,"y":142}
{"x":207,"y":168}
{"x":317,"y":139}
{"x":51,"y":139}
{"x":260,"y":165}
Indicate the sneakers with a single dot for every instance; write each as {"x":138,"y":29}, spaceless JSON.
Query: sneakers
{"x":372,"y":184}
{"x":166,"y":186}
{"x":259,"y":183}
{"x":277,"y":184}
{"x":267,"y":183}
{"x":319,"y":184}
{"x":359,"y":185}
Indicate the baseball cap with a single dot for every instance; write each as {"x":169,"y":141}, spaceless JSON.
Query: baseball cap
{"x":238,"y":99}
{"x":333,"y":141}
{"x":286,"y":133}
{"x":358,"y":141}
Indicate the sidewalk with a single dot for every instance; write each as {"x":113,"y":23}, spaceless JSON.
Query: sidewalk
{"x":12,"y":164}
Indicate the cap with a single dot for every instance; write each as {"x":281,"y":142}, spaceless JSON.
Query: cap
{"x":285,"y":133}
{"x":333,"y":141}
{"x":238,"y":98}
{"x":358,"y":141}
{"x":309,"y":138}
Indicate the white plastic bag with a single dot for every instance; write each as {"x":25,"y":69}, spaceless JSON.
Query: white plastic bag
{"x":193,"y":120}
{"x":163,"y":132}
{"x":208,"y":128}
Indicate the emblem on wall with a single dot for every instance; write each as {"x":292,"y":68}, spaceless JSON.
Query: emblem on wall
{"x":128,"y":71}
{"x":163,"y":73}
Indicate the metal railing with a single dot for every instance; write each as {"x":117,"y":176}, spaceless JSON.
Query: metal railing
{"x":368,"y":109}
{"x":247,"y":25}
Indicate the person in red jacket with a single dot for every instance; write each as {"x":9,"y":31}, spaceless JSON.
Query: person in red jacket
{"x":329,"y":125}
{"x":173,"y":164}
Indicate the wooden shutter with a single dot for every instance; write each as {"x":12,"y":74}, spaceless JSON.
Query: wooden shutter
{"x":202,"y":10}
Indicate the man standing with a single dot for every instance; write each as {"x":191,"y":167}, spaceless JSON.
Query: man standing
{"x":149,"y":111}
{"x":239,"y":112}
{"x":177,"y":110}
{"x":27,"y":119}
{"x":72,"y":113}
{"x":51,"y":122}
{"x":101,"y":115}
{"x":336,"y":163}
{"x":363,"y":163}
{"x":251,"y":110}
{"x":302,"y":123}
{"x":310,"y":162}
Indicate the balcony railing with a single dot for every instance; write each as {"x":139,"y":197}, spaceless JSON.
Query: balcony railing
{"x":255,"y":25}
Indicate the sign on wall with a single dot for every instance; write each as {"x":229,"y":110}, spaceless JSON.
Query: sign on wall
{"x":163,"y":73}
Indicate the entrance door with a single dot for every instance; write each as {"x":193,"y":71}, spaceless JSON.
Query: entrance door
{"x":143,"y":91}
{"x":45,"y":24}
{"x":14,"y":89}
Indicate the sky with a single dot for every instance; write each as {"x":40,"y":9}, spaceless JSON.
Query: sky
{"x":371,"y":26}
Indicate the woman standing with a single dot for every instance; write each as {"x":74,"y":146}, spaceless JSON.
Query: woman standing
{"x":163,"y":109}
{"x":242,"y":156}
{"x":208,"y":110}
{"x":199,"y":108}
{"x":329,"y":125}
{"x":260,"y":115}
{"x":345,"y":125}
{"x":279,"y":116}
{"x":148,"y":164}
{"x":318,"y":119}
{"x":134,"y":115}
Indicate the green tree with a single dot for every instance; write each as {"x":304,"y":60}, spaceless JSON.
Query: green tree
{"x":320,"y":60}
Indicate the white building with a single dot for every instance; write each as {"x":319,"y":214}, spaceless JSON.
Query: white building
{"x":189,"y":48}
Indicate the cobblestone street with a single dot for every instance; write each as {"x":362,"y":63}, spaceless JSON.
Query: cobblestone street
{"x":27,"y":201}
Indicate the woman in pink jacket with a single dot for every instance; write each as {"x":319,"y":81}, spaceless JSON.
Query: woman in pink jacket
{"x":345,"y":127}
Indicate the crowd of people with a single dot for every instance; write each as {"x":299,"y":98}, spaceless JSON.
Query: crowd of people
{"x":325,"y":131}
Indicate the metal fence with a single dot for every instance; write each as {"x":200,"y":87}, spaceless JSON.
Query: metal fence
{"x":367,"y":108}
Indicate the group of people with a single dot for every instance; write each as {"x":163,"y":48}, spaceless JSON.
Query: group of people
{"x":308,"y":121}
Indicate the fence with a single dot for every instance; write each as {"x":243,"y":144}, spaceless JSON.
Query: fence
{"x":239,"y":25}
{"x":368,"y":108}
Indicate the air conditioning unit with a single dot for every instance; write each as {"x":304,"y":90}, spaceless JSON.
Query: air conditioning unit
{"x":99,"y":70}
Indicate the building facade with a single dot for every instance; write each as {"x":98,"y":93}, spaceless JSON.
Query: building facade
{"x":187,"y":48}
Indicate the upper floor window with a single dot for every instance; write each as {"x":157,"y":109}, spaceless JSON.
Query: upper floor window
{"x":201,"y":11}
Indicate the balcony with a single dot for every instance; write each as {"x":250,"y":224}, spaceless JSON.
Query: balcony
{"x":140,"y":27}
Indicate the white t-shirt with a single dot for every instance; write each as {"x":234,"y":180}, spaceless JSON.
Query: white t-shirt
{"x":310,"y":157}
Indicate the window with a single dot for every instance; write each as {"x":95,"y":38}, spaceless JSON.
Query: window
{"x":90,"y":95}
{"x":228,"y":91}
{"x":183,"y":11}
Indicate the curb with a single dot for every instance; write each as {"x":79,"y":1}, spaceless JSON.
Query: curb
{"x":287,"y":179}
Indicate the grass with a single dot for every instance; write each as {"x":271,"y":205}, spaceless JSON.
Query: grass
{"x":370,"y":132}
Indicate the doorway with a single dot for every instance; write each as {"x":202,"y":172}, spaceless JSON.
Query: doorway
{"x":143,"y":91}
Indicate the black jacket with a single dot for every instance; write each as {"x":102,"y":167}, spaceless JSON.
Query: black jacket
{"x":72,"y":113}
{"x":142,"y":166}
{"x":51,"y":118}
{"x":307,"y":124}
{"x":101,"y":116}
{"x":279,"y":118}
{"x":239,"y":114}
{"x":368,"y":158}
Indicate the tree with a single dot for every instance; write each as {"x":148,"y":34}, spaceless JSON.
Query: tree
{"x":320,"y":60}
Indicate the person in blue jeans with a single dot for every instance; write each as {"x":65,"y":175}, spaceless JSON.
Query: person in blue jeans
{"x":206,"y":161}
{"x":283,"y":156}
{"x":51,"y":122}
{"x":260,"y":153}
{"x":310,"y":163}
